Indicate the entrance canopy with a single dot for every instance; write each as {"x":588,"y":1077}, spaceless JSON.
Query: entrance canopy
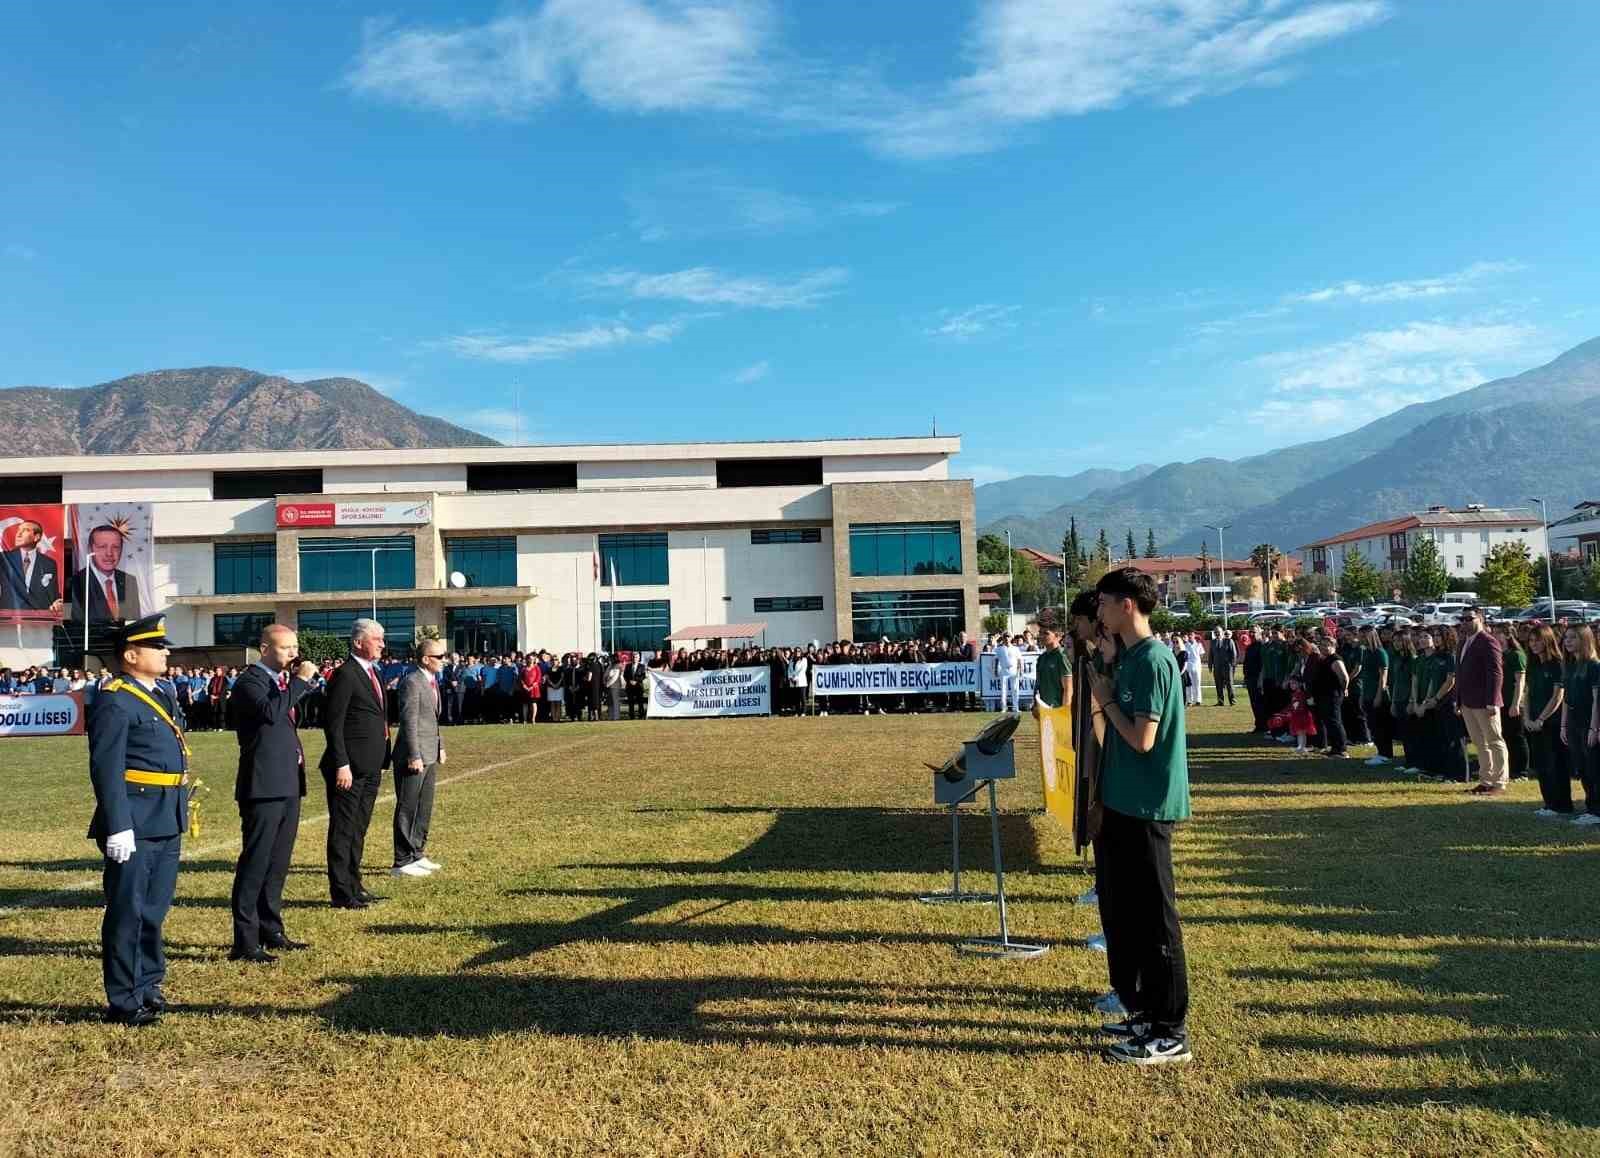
{"x":717,"y":631}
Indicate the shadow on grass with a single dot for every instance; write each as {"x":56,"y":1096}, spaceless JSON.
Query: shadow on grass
{"x":1502,"y":944}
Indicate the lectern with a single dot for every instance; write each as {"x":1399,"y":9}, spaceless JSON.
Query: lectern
{"x":986,"y":758}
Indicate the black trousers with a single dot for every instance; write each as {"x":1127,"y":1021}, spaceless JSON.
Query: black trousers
{"x":1550,"y":764}
{"x":1275,"y":698}
{"x":1330,"y":722}
{"x":1144,"y":941}
{"x":1355,"y":724}
{"x":1223,"y":678}
{"x":349,"y":817}
{"x":267,"y":831}
{"x":138,"y":894}
{"x":1380,"y":725}
{"x":1586,"y":764}
{"x":1445,"y":742}
{"x":1516,"y":743}
{"x":1124,"y":976}
{"x":1258,"y":706}
{"x":413,"y":812}
{"x":636,"y":703}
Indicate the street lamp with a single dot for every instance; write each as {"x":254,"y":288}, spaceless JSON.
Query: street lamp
{"x":1011,"y":588}
{"x":1549,"y":574}
{"x":1222,"y":563}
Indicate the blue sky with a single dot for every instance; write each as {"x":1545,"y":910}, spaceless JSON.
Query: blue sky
{"x":1258,"y":221}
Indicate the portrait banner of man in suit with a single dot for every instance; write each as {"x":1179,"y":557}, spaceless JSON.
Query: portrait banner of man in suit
{"x":113,"y":576}
{"x":32,"y":551}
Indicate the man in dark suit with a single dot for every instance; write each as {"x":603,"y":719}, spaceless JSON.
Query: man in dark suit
{"x":633,"y":676}
{"x":29,"y":579}
{"x":264,"y":712}
{"x":113,"y":594}
{"x":356,"y":724}
{"x":139,"y":766}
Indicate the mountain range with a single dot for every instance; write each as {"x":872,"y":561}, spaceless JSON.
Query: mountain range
{"x":215,"y":408}
{"x":1532,"y":434}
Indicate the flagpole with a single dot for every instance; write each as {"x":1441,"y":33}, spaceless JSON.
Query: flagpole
{"x":595,"y":580}
{"x":577,"y":603}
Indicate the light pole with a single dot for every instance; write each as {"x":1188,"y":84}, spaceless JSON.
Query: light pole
{"x":1222,"y":564}
{"x":1011,"y":587}
{"x":1549,"y":574}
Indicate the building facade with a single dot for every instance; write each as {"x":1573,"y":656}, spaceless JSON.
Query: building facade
{"x":1178,"y":576}
{"x":1578,"y":535}
{"x":1464,"y":537}
{"x":563,"y":547}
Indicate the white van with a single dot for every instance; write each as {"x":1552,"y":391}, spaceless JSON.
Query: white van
{"x":1460,"y":597}
{"x":1439,"y":614}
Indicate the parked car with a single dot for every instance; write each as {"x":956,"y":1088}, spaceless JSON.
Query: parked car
{"x":1271,"y":615}
{"x":1439,"y":614}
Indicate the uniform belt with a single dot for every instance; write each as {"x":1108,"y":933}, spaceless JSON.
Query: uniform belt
{"x":155,"y":779}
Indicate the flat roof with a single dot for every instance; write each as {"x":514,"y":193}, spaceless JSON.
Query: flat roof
{"x":546,"y":452}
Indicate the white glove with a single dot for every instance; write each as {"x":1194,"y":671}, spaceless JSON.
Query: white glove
{"x":119,"y":846}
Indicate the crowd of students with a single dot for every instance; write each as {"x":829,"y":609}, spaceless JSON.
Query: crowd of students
{"x":1533,"y":702}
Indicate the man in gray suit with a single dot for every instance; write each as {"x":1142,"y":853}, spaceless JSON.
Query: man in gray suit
{"x":418,"y":752}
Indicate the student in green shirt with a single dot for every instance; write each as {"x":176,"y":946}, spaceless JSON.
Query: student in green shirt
{"x":1541,"y":719}
{"x":1513,"y":689}
{"x":1402,"y":655}
{"x":1144,"y":791}
{"x":1580,"y":722}
{"x":1374,"y":695}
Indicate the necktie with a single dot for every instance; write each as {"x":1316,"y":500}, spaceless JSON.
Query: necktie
{"x":112,"y":611}
{"x":294,"y":717}
{"x":27,"y":568}
{"x":383,"y":709}
{"x":434,"y":684}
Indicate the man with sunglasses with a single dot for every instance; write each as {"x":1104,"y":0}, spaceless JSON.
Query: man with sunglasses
{"x":1480,"y":670}
{"x":139,"y":766}
{"x":418,"y":752}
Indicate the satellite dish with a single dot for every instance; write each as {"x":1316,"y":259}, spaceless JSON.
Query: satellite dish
{"x":457,"y":579}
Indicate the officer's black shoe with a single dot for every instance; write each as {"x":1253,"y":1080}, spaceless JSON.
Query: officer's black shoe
{"x":136,"y":1019}
{"x":353,"y":903}
{"x":284,"y":944}
{"x":252,"y":956}
{"x":156,"y":1000}
{"x":370,"y":898}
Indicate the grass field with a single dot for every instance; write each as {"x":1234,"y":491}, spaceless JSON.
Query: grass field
{"x":701,"y":937}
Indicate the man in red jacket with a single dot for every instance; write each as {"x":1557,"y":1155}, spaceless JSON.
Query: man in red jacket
{"x":1479,"y":668}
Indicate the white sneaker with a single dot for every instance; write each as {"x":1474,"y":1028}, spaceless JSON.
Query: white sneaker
{"x":1376,"y":761}
{"x":1089,"y":898}
{"x":414,"y":869}
{"x":432,"y":866}
{"x":1111,"y":1005}
{"x":1097,"y":943}
{"x":1587,"y":819}
{"x":1545,"y":812}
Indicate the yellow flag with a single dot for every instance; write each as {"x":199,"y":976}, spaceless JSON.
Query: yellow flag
{"x":1058,"y":763}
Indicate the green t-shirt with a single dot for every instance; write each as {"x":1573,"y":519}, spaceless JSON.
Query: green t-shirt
{"x":1580,"y":683}
{"x":1047,"y":677}
{"x":1373,"y":661}
{"x":1400,"y":682}
{"x":1430,"y":672}
{"x":1272,"y":662}
{"x":1514,"y":662}
{"x":1153,"y":785}
{"x":1543,"y":680}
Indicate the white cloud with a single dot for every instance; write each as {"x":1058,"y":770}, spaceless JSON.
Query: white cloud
{"x":709,"y":287}
{"x":1412,"y":289}
{"x":623,"y":55}
{"x":973,"y":322}
{"x":1030,"y":61}
{"x":561,"y":344}
{"x":695,"y":204}
{"x":501,"y":425}
{"x":754,"y":372}
{"x":981,"y":473}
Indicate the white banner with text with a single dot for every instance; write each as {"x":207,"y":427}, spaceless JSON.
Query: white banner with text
{"x":893,"y":679}
{"x":734,"y":691}
{"x":989,"y":675}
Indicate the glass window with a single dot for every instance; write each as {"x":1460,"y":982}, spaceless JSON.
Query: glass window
{"x":347,"y":564}
{"x":635,"y":625}
{"x":774,"y":603}
{"x":1483,"y":537}
{"x":902,"y":615}
{"x":1461,"y":563}
{"x":245,"y":568}
{"x":785,"y":535}
{"x":905,"y":549}
{"x":640,"y":560}
{"x":239,"y":630}
{"x":399,"y":624}
{"x":485,"y":562}
{"x":481,"y":630}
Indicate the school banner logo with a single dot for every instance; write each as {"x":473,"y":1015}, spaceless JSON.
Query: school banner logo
{"x":42,"y":715}
{"x":893,"y":679}
{"x":1058,"y":763}
{"x":737,"y":691}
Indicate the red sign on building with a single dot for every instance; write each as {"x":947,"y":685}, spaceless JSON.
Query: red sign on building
{"x":305,"y":514}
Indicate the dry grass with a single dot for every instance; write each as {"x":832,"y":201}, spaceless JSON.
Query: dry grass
{"x":688,"y":937}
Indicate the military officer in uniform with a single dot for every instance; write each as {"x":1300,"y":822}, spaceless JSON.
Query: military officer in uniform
{"x":138,"y":762}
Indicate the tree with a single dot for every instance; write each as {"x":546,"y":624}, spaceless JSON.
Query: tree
{"x":1243,"y":587}
{"x":1095,"y":571}
{"x":318,"y":646}
{"x":1205,"y":562}
{"x":1027,"y":581}
{"x":1313,"y":586}
{"x":1285,"y":591}
{"x":1425,"y":576}
{"x":1133,"y":551}
{"x":1102,"y":547}
{"x":991,"y":555}
{"x":1150,"y":543}
{"x":1265,"y":557}
{"x":1195,"y":608}
{"x":1507,"y":576}
{"x":996,"y":621}
{"x":1360,"y":582}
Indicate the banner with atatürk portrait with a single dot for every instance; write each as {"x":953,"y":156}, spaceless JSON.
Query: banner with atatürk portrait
{"x":114,"y":575}
{"x":32,"y":562}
